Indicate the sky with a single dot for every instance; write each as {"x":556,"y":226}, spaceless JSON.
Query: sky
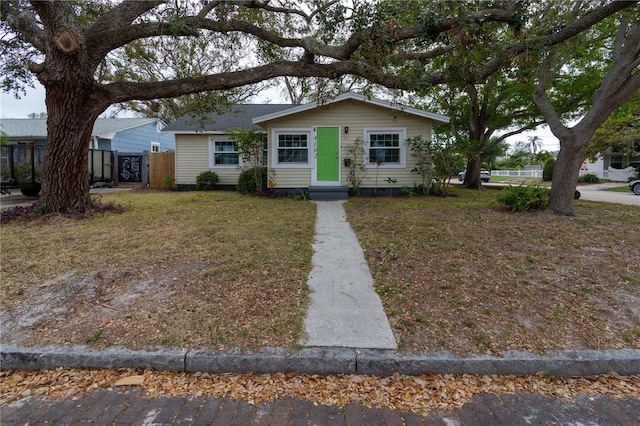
{"x":10,"y":107}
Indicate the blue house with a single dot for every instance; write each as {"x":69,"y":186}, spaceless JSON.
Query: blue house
{"x":113,"y":134}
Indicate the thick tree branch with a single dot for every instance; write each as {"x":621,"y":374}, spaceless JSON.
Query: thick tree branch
{"x":125,"y":91}
{"x":620,"y":82}
{"x":555,"y":38}
{"x":24,"y":23}
{"x":547,"y":110}
{"x":517,"y":131}
{"x":122,"y":15}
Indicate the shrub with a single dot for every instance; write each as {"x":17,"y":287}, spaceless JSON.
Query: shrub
{"x":547,"y":169}
{"x":206,"y":181}
{"x":589,"y":178}
{"x":247,"y":180}
{"x":524,"y":198}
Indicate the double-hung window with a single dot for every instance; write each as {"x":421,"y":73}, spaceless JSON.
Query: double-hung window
{"x":385,"y":147}
{"x":292,"y":148}
{"x":225,"y":153}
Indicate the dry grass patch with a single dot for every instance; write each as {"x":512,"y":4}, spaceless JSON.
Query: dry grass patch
{"x":191,"y":269}
{"x":465,"y":275}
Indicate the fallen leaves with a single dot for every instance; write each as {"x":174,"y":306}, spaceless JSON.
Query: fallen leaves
{"x":420,"y":394}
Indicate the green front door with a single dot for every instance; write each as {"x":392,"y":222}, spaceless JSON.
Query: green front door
{"x":328,"y":151}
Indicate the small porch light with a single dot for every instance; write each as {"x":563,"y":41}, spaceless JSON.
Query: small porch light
{"x":346,"y":129}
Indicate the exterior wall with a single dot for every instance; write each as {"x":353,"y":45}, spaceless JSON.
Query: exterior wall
{"x":139,"y":139}
{"x":193,"y":156}
{"x":357,"y":116}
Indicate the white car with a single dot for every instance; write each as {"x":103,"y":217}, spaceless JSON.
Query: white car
{"x":634,"y":186}
{"x":485,"y":175}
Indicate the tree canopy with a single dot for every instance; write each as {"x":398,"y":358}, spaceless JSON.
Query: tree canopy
{"x":72,"y":48}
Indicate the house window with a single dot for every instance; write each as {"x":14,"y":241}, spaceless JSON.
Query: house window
{"x":386,"y":146}
{"x":155,"y":147}
{"x":292,"y":147}
{"x":225,"y":153}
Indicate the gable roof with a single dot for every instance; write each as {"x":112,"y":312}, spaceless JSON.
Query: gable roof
{"x":438,"y":118}
{"x":36,"y":128}
{"x":235,"y":117}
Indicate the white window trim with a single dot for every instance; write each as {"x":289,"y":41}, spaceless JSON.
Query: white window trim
{"x":310,"y":146}
{"x":212,"y":154}
{"x":402,"y":131}
{"x":155,"y":144}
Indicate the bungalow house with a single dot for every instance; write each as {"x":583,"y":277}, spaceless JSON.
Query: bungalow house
{"x":112,"y":134}
{"x":308,"y":145}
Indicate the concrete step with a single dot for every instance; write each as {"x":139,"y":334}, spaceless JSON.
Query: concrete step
{"x":328,"y":193}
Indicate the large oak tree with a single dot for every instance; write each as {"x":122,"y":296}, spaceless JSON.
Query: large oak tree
{"x":619,"y":40}
{"x":66,"y":44}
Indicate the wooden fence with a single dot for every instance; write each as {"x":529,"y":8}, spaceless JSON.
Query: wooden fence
{"x":162,"y":168}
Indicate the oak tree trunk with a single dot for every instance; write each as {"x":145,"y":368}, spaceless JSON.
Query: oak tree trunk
{"x":565,"y":175}
{"x":70,"y":120}
{"x":73,"y":105}
{"x":472,"y":177}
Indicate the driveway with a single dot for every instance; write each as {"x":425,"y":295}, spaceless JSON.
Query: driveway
{"x":603,"y":192}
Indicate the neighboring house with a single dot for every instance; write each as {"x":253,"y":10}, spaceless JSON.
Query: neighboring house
{"x":307,"y":144}
{"x":113,"y":134}
{"x":613,"y":166}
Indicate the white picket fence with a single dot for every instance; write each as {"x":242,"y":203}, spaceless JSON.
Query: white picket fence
{"x":518,"y":173}
{"x":615,"y":175}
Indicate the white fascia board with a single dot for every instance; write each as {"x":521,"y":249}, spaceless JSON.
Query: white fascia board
{"x":355,"y":96}
{"x":107,"y":135}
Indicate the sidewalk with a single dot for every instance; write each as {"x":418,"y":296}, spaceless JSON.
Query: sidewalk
{"x":345,"y":310}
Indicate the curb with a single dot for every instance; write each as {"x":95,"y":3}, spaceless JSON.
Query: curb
{"x":325,"y":361}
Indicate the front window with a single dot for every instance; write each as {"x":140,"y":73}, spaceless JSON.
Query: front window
{"x":293,"y":148}
{"x":385,"y":147}
{"x":225,"y":153}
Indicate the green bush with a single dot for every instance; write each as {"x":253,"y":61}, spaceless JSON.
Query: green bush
{"x":524,"y":198}
{"x":547,"y":169}
{"x":247,"y":181}
{"x":206,"y":181}
{"x":589,"y":178}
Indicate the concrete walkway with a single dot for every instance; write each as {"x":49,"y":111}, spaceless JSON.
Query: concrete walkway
{"x":345,"y":310}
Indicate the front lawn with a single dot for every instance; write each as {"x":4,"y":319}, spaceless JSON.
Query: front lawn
{"x":189,"y":269}
{"x":221,"y":270}
{"x":463,"y":274}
